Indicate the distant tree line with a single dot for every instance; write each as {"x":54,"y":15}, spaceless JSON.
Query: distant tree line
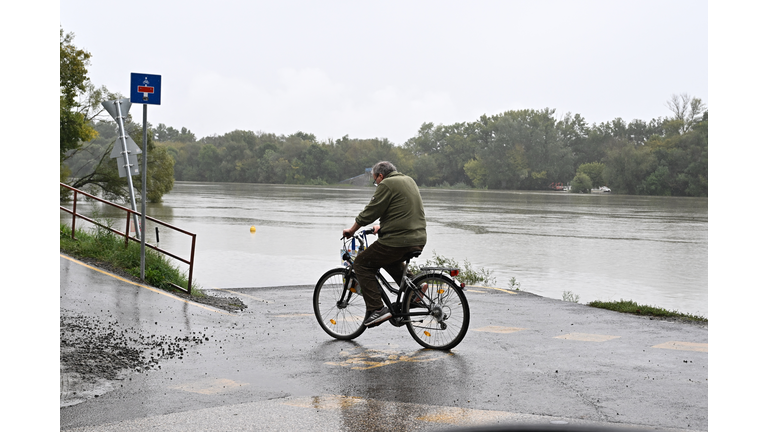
{"x":523,"y":149}
{"x":248,"y":157}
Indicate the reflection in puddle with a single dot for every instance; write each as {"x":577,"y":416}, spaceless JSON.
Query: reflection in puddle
{"x":360,"y":359}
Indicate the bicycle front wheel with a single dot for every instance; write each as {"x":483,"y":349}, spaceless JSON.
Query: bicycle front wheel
{"x":448,"y":320}
{"x":339,"y":307}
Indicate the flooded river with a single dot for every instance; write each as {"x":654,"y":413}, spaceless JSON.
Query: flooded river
{"x":652,"y":250}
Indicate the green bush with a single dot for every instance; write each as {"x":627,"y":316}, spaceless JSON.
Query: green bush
{"x":467,"y":274}
{"x":581,"y":184}
{"x":570,"y":297}
{"x":595,"y":172}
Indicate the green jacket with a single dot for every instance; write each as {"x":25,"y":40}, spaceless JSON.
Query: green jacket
{"x":397,"y":204}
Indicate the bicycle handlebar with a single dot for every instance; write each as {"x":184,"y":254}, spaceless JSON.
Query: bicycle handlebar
{"x":358,"y":234}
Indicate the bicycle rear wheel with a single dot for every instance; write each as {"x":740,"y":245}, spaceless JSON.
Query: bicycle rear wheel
{"x":448,"y":321}
{"x":339,"y":309}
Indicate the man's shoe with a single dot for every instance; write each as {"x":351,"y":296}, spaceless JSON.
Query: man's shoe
{"x":378,"y":316}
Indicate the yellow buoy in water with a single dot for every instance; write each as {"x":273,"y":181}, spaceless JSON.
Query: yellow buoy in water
{"x":253,"y":229}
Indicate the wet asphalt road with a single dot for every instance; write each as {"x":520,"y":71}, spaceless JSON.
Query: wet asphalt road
{"x":525,"y":360}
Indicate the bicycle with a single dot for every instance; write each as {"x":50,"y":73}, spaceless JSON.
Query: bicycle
{"x":432,"y":306}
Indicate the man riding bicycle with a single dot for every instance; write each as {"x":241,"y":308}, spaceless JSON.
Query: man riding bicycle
{"x":403,"y":231}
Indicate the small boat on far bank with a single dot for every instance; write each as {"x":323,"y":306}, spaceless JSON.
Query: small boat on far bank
{"x":567,"y":188}
{"x":601,"y":189}
{"x":557,"y":186}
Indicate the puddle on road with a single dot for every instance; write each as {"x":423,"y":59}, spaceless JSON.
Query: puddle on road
{"x":361,"y":359}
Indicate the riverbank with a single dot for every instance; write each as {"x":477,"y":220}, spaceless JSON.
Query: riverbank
{"x":102,"y":249}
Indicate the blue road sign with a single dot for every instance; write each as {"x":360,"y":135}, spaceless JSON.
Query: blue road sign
{"x":145,"y":89}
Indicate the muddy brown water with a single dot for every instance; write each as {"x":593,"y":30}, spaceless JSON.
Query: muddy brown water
{"x":652,"y":250}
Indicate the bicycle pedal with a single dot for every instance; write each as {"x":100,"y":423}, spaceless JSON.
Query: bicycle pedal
{"x":377,"y":324}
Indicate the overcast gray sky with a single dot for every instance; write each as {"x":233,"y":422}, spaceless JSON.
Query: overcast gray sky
{"x":381,"y":69}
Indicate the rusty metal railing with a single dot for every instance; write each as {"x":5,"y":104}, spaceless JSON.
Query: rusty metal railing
{"x":126,"y":234}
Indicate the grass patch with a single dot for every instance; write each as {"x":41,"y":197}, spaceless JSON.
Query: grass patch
{"x":570,"y":297}
{"x":104,"y":246}
{"x":628,"y":306}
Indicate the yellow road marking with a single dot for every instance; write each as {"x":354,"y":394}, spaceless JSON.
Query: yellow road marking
{"x":158,"y":291}
{"x":210,"y":386}
{"x":498,"y":329}
{"x":684,"y":346}
{"x":244,"y":295}
{"x":492,"y":288}
{"x":585,"y":337}
{"x":453,"y":415}
{"x":327,"y":402}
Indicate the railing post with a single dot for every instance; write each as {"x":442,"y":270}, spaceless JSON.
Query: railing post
{"x":191,"y":263}
{"x":127,"y":226}
{"x":74,"y":214}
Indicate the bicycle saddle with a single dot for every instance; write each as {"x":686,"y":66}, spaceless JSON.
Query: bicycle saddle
{"x":412,"y":255}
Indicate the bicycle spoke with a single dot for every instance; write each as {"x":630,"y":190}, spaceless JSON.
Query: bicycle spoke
{"x":448,"y":321}
{"x":341,"y":322}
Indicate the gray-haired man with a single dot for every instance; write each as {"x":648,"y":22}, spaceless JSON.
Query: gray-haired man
{"x":402,"y":230}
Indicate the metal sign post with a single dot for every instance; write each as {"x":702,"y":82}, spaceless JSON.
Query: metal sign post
{"x":145,"y":89}
{"x":125,"y":147}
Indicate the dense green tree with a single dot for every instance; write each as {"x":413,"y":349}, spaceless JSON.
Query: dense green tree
{"x":477,"y":172}
{"x":502,"y":152}
{"x":686,"y":110}
{"x":448,"y":147}
{"x":576,"y":133}
{"x":233,"y":158}
{"x":594,"y":171}
{"x":209,"y":161}
{"x":312,"y":162}
{"x":160,"y":173}
{"x":524,"y":149}
{"x":304,"y":137}
{"x":74,"y":127}
{"x":626,"y":166}
{"x":681,"y":162}
{"x":425,"y":171}
{"x":168,"y":133}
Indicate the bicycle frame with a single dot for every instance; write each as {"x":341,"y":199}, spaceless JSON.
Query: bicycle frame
{"x":401,"y":294}
{"x":398,"y":317}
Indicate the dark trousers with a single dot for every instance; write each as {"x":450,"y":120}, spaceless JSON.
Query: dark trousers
{"x":369,"y":261}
